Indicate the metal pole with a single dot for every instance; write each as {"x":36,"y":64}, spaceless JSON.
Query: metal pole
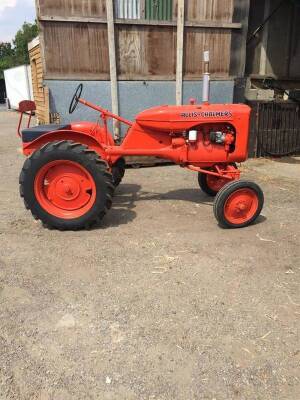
{"x":112,"y":65}
{"x":179,"y":63}
{"x":206,"y":78}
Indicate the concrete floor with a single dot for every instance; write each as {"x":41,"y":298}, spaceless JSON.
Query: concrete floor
{"x":159,"y":302}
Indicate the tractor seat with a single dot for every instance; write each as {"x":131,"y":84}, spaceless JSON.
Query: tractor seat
{"x":30,"y":134}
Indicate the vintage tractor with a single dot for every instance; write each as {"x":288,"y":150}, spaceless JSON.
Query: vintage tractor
{"x":71,"y":171}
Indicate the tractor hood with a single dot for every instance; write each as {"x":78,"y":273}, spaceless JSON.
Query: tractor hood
{"x":178,"y":118}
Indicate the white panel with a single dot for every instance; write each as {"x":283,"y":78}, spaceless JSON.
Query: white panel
{"x":17,"y":82}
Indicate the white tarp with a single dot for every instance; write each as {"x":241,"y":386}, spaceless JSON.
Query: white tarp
{"x":18,"y":85}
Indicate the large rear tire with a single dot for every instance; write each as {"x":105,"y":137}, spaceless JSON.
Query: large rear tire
{"x":66,"y":185}
{"x":238,"y":204}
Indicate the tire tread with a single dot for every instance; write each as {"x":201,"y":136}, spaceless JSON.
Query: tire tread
{"x":218,"y":206}
{"x":90,"y":157}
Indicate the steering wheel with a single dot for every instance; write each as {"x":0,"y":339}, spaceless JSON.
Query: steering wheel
{"x":75,"y":98}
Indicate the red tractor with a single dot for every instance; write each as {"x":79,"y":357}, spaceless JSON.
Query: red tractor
{"x":71,"y":171}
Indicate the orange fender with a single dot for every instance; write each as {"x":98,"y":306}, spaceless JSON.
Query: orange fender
{"x":79,"y":137}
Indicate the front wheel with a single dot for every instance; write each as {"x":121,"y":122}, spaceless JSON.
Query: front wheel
{"x":118,"y":171}
{"x":66,"y":185}
{"x":212,"y":184}
{"x":238,"y":204}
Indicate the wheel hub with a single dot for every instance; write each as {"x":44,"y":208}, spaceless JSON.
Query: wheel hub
{"x":240,"y":206}
{"x":65,"y":188}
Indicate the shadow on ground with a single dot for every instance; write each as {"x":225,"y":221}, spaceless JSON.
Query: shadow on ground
{"x":127,"y":195}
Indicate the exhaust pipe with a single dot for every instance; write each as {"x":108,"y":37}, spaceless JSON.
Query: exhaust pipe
{"x":206,"y":78}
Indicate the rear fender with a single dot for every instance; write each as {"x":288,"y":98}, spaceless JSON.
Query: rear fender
{"x":75,"y":136}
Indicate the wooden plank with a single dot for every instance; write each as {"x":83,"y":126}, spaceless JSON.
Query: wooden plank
{"x":218,"y":43}
{"x":73,"y":76}
{"x":143,"y":8}
{"x":194,"y":24}
{"x":47,"y":105}
{"x":86,"y":8}
{"x":39,"y":96}
{"x":76,"y":50}
{"x":239,"y":38}
{"x":127,"y":77}
{"x":211,"y":10}
{"x":42,"y":46}
{"x":264,"y":41}
{"x":35,"y":53}
{"x":113,"y":66}
{"x":179,"y":55}
{"x":294,"y":50}
{"x":132,"y":60}
{"x":141,"y":51}
{"x":279,"y":49}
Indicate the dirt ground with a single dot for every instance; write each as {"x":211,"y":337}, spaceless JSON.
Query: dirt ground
{"x":158,"y":303}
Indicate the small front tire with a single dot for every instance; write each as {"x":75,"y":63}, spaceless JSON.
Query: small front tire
{"x":238,"y":204}
{"x":212,"y":184}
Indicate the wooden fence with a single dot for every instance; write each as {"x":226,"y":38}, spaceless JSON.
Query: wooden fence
{"x":275,"y":128}
{"x":75,"y":40}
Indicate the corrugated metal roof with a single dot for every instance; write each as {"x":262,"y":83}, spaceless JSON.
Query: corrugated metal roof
{"x":128,"y":9}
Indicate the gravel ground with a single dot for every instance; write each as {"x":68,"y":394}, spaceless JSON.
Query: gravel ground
{"x":158,"y":303}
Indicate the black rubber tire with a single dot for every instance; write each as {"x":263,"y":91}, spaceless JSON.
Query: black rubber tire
{"x":223,"y":195}
{"x":202,"y":180}
{"x":118,"y":171}
{"x":67,"y":150}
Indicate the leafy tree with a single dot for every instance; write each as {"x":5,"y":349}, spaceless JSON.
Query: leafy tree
{"x":12,"y":56}
{"x":6,"y":57}
{"x":21,"y":40}
{"x":6,"y":50}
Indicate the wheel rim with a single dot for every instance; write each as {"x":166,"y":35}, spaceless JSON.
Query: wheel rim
{"x":216,"y":183}
{"x":241,"y":206}
{"x":65,"y":189}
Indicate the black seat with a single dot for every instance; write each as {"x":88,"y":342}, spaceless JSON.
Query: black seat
{"x":30,"y":134}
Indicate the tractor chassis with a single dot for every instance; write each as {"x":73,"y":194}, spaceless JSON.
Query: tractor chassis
{"x":69,"y":179}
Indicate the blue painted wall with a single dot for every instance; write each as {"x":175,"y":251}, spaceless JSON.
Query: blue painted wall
{"x":134,"y":96}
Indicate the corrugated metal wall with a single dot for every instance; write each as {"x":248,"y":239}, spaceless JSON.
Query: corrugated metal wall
{"x":128,"y":9}
{"x":161,"y":10}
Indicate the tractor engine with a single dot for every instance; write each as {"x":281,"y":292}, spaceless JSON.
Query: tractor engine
{"x":212,"y":133}
{"x":218,"y":134}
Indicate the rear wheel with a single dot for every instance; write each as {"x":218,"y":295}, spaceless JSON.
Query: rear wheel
{"x":238,"y":204}
{"x":66,"y":185}
{"x":211,"y":184}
